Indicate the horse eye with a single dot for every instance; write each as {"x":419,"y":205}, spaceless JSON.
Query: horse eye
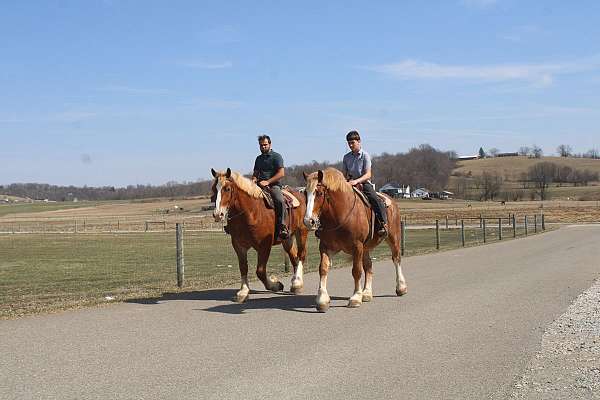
{"x":227,"y":189}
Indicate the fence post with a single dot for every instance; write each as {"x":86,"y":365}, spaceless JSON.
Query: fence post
{"x":146,"y":228}
{"x":535,"y":223}
{"x":514,"y":223}
{"x":180,"y":261}
{"x":526,"y":225}
{"x":286,"y":261}
{"x":483,"y":227}
{"x":543,"y":223}
{"x":480,"y":221}
{"x":75,"y":226}
{"x":462,"y":231}
{"x":499,"y":228}
{"x":446,"y":222}
{"x":437,"y":234}
{"x":403,"y":237}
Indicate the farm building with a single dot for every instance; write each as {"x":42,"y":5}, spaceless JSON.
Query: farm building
{"x":464,"y":158}
{"x":420,"y":192}
{"x":395,"y":190}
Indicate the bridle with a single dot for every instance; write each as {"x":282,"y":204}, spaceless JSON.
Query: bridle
{"x":231,"y":203}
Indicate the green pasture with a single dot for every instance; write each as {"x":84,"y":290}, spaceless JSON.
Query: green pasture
{"x":49,"y":272}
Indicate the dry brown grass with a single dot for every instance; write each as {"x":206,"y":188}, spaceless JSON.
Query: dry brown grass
{"x":513,"y":167}
{"x":426,"y":212}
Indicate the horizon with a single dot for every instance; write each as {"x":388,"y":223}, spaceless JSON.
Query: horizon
{"x":107,"y":93}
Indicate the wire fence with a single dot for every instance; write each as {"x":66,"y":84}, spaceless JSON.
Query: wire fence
{"x":43,"y":269}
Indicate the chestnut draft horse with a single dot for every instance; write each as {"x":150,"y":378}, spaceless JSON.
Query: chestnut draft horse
{"x":240,"y":203}
{"x":343,"y":221}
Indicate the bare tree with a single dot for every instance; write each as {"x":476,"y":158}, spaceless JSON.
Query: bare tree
{"x":592,"y":153}
{"x":493,"y":152}
{"x":537,"y":151}
{"x":524,"y":151}
{"x":542,"y":174}
{"x":489,"y":185}
{"x":564,"y":150}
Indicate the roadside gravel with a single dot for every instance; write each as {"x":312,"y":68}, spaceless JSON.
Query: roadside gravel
{"x":568,"y":364}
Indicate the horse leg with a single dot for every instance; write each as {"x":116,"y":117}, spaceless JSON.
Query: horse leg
{"x":242,"y":255}
{"x":297,"y":255}
{"x":357,"y":267}
{"x":323,"y":299}
{"x":393,"y":241}
{"x":367,"y":294}
{"x":271,"y":283}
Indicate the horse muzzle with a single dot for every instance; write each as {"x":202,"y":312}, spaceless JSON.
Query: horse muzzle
{"x":220,"y":215}
{"x":311,"y":223}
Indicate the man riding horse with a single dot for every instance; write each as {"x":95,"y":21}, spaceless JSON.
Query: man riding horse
{"x":268,"y":171}
{"x":357,"y":170}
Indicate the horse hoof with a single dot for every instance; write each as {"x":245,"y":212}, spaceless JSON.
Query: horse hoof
{"x":297,"y":290}
{"x":277,"y":287}
{"x":240,"y":298}
{"x":354,"y":304}
{"x":322,"y":307}
{"x":401,"y":292}
{"x":367,"y":297}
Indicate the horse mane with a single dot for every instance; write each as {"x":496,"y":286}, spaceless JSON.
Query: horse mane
{"x":244,"y":184}
{"x":333,"y":180}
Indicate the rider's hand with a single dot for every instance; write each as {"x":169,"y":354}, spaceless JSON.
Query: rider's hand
{"x":353,"y":182}
{"x":263,"y":184}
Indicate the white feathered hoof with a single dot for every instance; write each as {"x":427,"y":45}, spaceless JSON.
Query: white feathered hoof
{"x":401,"y":291}
{"x":297,"y":286}
{"x":367,"y":296}
{"x":241,"y":297}
{"x":322,"y":307}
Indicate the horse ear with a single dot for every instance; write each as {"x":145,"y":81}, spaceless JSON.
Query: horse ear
{"x":213,"y":172}
{"x":304,"y":175}
{"x":320,"y":175}
{"x":228,"y":173}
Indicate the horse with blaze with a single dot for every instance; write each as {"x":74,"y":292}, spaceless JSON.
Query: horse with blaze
{"x":343,"y":222}
{"x":251,"y":224}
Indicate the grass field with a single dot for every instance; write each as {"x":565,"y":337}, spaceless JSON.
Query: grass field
{"x":49,"y":272}
{"x":512,"y":167}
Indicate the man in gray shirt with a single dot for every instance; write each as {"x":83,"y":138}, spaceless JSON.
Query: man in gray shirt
{"x":357,"y":169}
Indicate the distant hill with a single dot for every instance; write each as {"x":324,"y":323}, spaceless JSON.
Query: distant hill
{"x":511,"y":168}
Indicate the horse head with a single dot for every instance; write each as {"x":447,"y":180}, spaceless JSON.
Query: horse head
{"x":222,"y":193}
{"x":315,"y":198}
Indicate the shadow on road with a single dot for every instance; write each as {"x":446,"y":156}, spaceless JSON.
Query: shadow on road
{"x":275,"y":301}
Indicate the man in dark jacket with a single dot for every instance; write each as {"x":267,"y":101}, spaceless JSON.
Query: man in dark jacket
{"x":268,"y":172}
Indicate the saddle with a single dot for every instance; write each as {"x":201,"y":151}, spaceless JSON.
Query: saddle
{"x":290,"y":200}
{"x":384,"y":199}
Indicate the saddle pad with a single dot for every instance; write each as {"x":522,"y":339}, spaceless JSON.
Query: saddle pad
{"x":290,"y":200}
{"x":289,"y":196}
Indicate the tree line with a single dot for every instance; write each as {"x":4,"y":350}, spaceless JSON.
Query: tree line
{"x":423,"y":166}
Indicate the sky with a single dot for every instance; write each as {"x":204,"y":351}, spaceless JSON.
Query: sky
{"x":117,"y":93}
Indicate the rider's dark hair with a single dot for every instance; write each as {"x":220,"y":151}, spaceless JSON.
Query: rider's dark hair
{"x":263,"y":137}
{"x":352,"y":135}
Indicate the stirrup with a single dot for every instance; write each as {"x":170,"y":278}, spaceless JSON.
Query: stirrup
{"x":283,"y":232}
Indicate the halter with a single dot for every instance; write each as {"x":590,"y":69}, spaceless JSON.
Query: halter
{"x":228,"y":217}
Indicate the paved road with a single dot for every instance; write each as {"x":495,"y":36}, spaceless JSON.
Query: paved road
{"x":468,"y":326}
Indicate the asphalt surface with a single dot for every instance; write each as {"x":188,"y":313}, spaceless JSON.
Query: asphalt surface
{"x":471,"y":321}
